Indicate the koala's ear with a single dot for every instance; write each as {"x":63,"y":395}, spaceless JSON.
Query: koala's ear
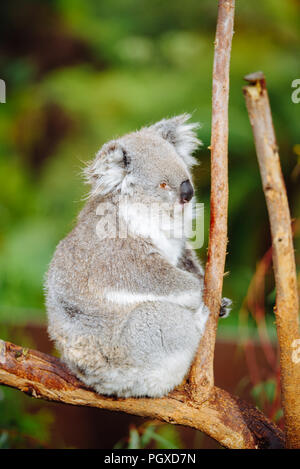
{"x":180,"y":134}
{"x":108,"y":169}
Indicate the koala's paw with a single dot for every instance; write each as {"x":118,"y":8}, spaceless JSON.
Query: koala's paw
{"x":225,"y":308}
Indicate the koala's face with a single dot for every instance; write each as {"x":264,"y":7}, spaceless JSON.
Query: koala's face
{"x":151,"y":165}
{"x":155,"y":171}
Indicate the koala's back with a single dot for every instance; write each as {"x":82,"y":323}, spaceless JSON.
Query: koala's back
{"x":83,"y":266}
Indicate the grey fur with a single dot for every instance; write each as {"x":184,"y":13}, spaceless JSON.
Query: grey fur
{"x":115,"y":341}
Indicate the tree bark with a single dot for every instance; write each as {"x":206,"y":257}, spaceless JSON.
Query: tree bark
{"x":227,"y":419}
{"x":287,"y":303}
{"x":202,"y":376}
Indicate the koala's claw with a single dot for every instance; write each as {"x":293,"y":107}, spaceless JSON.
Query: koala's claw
{"x":225,"y":308}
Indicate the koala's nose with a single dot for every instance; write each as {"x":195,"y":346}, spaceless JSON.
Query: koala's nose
{"x":186,"y":191}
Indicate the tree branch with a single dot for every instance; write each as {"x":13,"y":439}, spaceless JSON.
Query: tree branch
{"x":227,"y":419}
{"x":202,"y":376}
{"x":287,"y":303}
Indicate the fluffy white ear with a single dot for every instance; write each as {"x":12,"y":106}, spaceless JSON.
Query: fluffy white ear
{"x":180,"y":134}
{"x":106,"y":172}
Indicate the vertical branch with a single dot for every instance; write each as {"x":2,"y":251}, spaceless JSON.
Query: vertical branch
{"x":201,"y":375}
{"x":287,"y":303}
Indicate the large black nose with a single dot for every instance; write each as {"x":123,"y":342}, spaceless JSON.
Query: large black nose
{"x":186,"y":191}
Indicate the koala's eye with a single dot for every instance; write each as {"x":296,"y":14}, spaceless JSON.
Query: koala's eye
{"x":164,"y":185}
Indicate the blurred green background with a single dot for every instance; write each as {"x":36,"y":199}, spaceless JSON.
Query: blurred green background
{"x":80,"y":73}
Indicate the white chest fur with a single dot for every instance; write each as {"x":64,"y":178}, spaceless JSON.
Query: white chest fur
{"x":163,"y":228}
{"x":170,"y":248}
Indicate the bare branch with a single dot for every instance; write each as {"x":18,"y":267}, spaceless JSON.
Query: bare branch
{"x":201,"y":375}
{"x":287,"y":303}
{"x":227,"y":419}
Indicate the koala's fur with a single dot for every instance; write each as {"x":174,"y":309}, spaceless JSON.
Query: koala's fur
{"x":127,"y":313}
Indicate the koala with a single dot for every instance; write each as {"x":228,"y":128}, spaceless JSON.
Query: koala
{"x":126,"y":312}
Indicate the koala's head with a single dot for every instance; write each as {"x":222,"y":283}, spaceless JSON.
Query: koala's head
{"x":151,"y":165}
